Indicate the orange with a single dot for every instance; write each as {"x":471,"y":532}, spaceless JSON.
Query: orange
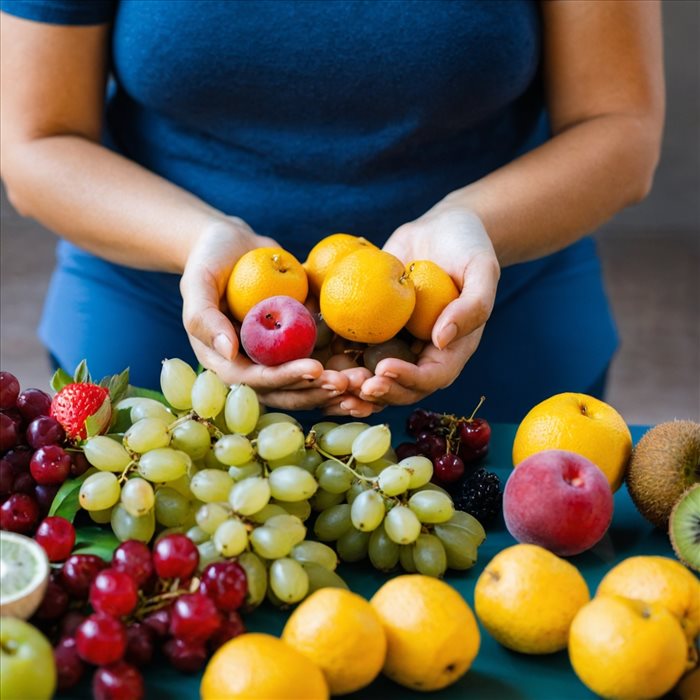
{"x":367,"y":296}
{"x":434,"y":291}
{"x":581,"y":424}
{"x":326,"y":253}
{"x":263,"y":273}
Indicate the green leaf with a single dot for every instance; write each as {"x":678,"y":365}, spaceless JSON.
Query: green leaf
{"x":81,"y":373}
{"x":65,"y":503}
{"x":121,"y":421}
{"x":92,"y":539}
{"x":60,"y":379}
{"x":118,"y":385}
{"x":147,"y":394}
{"x":92,"y":426}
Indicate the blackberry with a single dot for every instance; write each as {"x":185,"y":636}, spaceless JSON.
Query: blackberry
{"x":480,"y":494}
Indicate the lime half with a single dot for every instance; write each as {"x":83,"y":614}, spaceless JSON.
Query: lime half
{"x":24,"y":574}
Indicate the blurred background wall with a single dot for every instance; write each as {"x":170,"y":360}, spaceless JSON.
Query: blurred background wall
{"x":650,"y":253}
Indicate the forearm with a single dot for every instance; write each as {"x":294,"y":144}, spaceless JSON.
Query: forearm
{"x":564,"y":189}
{"x":104,"y":202}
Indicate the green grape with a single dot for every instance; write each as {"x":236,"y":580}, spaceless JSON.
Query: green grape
{"x":293,"y":459}
{"x":288,"y":580}
{"x":147,"y":434}
{"x":429,"y":556}
{"x":99,"y":491}
{"x":263,"y":515}
{"x":468,"y":522}
{"x":383,"y":552}
{"x":163,"y":464}
{"x":460,"y":546}
{"x":402,"y":525}
{"x":172,"y":509}
{"x":211,"y":462}
{"x":191,"y":437}
{"x":390,"y":456}
{"x":128,"y":527}
{"x":406,"y":558}
{"x":211,"y":515}
{"x":234,"y":450}
{"x":430,"y":486}
{"x":271,"y":542}
{"x":290,"y":525}
{"x":208,"y":394}
{"x":242,"y":409}
{"x":176,"y":381}
{"x":352,"y":545}
{"x":394,"y":480}
{"x":273,"y":599}
{"x":292,"y":484}
{"x":231,"y":538}
{"x":250,"y":495}
{"x":208,"y":554}
{"x":137,"y":496}
{"x":220,"y":422}
{"x":101,"y":517}
{"x":379,"y":465}
{"x":322,"y":500}
{"x":211,"y":485}
{"x":420,"y":468}
{"x":321,"y":577}
{"x":181,"y":485}
{"x":321,"y":428}
{"x":333,"y":522}
{"x":310,"y":461}
{"x":141,"y":407}
{"x":355,"y":490}
{"x":256,"y":577}
{"x":431,"y":506}
{"x":316,"y":553}
{"x":197,"y":535}
{"x":278,"y":440}
{"x":333,"y":476}
{"x":367,"y":511}
{"x":371,"y":444}
{"x":106,"y":454}
{"x":338,"y":441}
{"x":274,"y":417}
{"x":245,"y":470}
{"x":302,"y":509}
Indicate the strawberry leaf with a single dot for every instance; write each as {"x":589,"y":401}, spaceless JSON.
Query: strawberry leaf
{"x":91,"y":539}
{"x":93,"y":426}
{"x":121,"y":421}
{"x":82,"y":375}
{"x":117,"y":385}
{"x":60,"y":379}
{"x":66,"y":503}
{"x":146,"y":394}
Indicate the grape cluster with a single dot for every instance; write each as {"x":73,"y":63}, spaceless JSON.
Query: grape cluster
{"x":34,"y":456}
{"x":117,"y":616}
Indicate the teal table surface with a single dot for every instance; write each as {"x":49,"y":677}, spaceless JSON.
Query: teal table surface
{"x":497,"y":673}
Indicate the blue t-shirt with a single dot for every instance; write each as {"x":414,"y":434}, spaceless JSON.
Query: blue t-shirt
{"x":305,"y":118}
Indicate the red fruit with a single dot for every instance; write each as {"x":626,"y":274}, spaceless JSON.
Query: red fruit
{"x":75,"y":403}
{"x":158,"y":622}
{"x":448,"y":469}
{"x":139,"y":644}
{"x":54,"y":604}
{"x":101,"y":639}
{"x":114,"y":593}
{"x":79,"y":571}
{"x":225,"y":583}
{"x":19,"y":513}
{"x":57,"y":536}
{"x":134,"y":558}
{"x":231,"y":627}
{"x":194,"y":617}
{"x":474,"y":436}
{"x":119,"y":681}
{"x":50,"y":465}
{"x":185,"y":656}
{"x":175,"y":556}
{"x":69,"y":666}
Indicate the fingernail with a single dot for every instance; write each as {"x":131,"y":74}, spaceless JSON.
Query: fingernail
{"x":448,"y":335}
{"x":329,"y":387}
{"x":390,"y":375}
{"x":310,"y":377}
{"x":345,"y":405}
{"x":376,"y":392}
{"x":223,"y":346}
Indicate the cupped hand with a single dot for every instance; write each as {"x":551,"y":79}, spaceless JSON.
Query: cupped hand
{"x":455,"y":239}
{"x":300,"y":384}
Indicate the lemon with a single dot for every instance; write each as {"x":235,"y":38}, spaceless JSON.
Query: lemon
{"x":340,"y":632}
{"x":261,"y":667}
{"x":24,"y":575}
{"x":432,"y":636}
{"x":581,"y":424}
{"x":627,"y":649}
{"x":526,"y":598}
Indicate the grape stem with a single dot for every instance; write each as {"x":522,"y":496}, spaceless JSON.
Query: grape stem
{"x":327,"y":455}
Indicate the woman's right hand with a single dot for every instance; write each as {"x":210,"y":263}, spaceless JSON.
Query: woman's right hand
{"x":301,"y":384}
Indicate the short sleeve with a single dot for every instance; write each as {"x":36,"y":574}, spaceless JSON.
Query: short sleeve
{"x":75,"y":12}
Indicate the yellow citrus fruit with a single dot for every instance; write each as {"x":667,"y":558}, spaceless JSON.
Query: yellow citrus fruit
{"x":432,"y":636}
{"x":341,"y":633}
{"x":658,"y":580}
{"x":526,"y":598}
{"x":434,"y":291}
{"x":367,"y":296}
{"x":326,"y":253}
{"x":581,"y":424}
{"x":261,"y":667}
{"x":627,"y":649}
{"x":689,"y":686}
{"x":263,"y":273}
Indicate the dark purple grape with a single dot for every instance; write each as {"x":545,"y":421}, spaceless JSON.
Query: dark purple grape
{"x":9,"y":435}
{"x":139,"y":644}
{"x":79,"y":571}
{"x":24,"y":483}
{"x":69,"y":666}
{"x":54,"y":604}
{"x":395,"y":348}
{"x":9,"y":390}
{"x":431,"y":445}
{"x":159,"y":622}
{"x":70,"y":622}
{"x":19,"y":513}
{"x":185,"y":656}
{"x":44,"y":494}
{"x":33,"y":403}
{"x":406,"y":449}
{"x":7,"y":478}
{"x":19,"y":458}
{"x":324,"y":335}
{"x":44,"y":431}
{"x":79,"y":464}
{"x":117,"y":681}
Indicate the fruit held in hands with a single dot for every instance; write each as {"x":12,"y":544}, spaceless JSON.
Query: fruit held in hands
{"x":434,"y":291}
{"x":395,"y":347}
{"x":27,"y":667}
{"x":277,"y":330}
{"x":558,"y":500}
{"x":75,"y":403}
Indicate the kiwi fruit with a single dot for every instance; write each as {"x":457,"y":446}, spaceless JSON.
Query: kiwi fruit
{"x":684,"y":528}
{"x":664,"y":464}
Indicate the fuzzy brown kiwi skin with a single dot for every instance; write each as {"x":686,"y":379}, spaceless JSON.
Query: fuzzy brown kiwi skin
{"x":676,"y":548}
{"x":664,"y":463}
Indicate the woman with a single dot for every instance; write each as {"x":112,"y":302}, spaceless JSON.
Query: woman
{"x":487,"y":136}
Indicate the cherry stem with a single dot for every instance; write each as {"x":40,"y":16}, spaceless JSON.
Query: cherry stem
{"x":478,"y":406}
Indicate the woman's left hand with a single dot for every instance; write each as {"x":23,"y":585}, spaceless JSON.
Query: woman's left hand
{"x":455,"y":239}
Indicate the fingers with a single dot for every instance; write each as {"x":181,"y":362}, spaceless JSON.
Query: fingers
{"x":295,"y":400}
{"x":349,"y":405}
{"x":475,"y":303}
{"x":333,"y":382}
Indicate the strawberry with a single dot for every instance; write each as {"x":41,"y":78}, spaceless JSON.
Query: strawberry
{"x":75,"y":403}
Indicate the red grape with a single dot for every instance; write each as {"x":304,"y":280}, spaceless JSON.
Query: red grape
{"x":101,"y":639}
{"x":118,"y":681}
{"x":55,"y":602}
{"x":19,"y":513}
{"x":44,"y":494}
{"x":406,"y":449}
{"x":44,"y":431}
{"x":69,"y":667}
{"x":9,"y":435}
{"x":70,"y":622}
{"x":57,"y":536}
{"x":78,"y":573}
{"x":139,"y":644}
{"x":50,"y":465}
{"x":134,"y":558}
{"x":33,"y":403}
{"x":79,"y":464}
{"x":158,"y":622}
{"x":225,"y":583}
{"x":232,"y":626}
{"x":194,"y":617}
{"x":114,"y":593}
{"x":175,"y":556}
{"x":24,"y":483}
{"x":9,"y":390}
{"x":185,"y":656}
{"x":7,"y":478}
{"x":19,"y":458}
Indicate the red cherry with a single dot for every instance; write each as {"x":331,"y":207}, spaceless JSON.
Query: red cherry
{"x":175,"y":556}
{"x":158,"y":622}
{"x":139,"y":644}
{"x":448,"y":469}
{"x":78,"y":572}
{"x":225,"y":583}
{"x":101,"y":639}
{"x":474,"y":437}
{"x":232,"y":626}
{"x":50,"y":465}
{"x":57,"y":536}
{"x":134,"y":558}
{"x":194,"y":617}
{"x":113,"y":593}
{"x":185,"y":655}
{"x":119,"y":681}
{"x":19,"y":513}
{"x":69,"y":666}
